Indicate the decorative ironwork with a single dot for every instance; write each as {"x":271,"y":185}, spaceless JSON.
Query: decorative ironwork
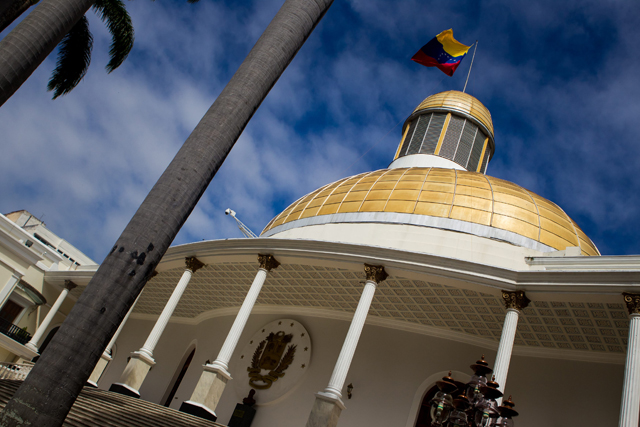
{"x":268,"y":262}
{"x":193,"y":264}
{"x":375,"y":273}
{"x":633,"y":302}
{"x":268,"y":356}
{"x":516,"y":300}
{"x":14,"y":332}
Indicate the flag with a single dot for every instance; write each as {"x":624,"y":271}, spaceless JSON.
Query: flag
{"x":443,"y":51}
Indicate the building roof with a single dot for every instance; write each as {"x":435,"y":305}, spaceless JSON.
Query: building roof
{"x":422,"y":193}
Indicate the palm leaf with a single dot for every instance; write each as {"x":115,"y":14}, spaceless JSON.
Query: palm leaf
{"x":115,"y":16}
{"x":74,"y":56}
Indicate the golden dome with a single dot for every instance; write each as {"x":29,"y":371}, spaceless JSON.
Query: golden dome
{"x":454,"y":100}
{"x":470,"y":197}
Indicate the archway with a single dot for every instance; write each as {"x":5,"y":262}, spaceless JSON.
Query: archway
{"x":419,"y":415}
{"x":179,"y":375}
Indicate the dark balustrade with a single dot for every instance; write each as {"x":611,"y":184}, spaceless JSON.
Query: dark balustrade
{"x":14,"y":332}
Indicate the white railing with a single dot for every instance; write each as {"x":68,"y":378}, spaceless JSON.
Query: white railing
{"x":14,"y":371}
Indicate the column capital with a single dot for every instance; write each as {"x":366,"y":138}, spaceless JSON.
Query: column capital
{"x":516,"y":300}
{"x":633,"y":302}
{"x":192,"y":263}
{"x":375,"y":273}
{"x":268,"y":262}
{"x":68,"y":284}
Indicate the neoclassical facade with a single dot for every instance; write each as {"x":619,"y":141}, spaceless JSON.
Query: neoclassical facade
{"x":359,"y":296}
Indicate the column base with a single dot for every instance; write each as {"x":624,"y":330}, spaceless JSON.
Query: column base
{"x":199,"y":410}
{"x":99,"y":369}
{"x":134,"y":374}
{"x":124,"y":389}
{"x":326,"y":411}
{"x":209,"y":388}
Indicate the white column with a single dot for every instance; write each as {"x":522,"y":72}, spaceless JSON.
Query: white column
{"x":212,"y":382}
{"x":503,"y":358}
{"x":328,"y":404}
{"x":120,"y":328}
{"x":152,"y":340}
{"x":515,"y":302}
{"x":142,"y":360}
{"x":267,"y":262}
{"x":341,"y":368}
{"x":8,"y":288}
{"x":630,"y":408}
{"x":33,"y":343}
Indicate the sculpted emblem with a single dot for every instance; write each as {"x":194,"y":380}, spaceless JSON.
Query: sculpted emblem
{"x":269,"y":357}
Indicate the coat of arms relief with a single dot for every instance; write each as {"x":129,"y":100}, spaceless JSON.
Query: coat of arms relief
{"x":273,"y":361}
{"x":269,"y":357}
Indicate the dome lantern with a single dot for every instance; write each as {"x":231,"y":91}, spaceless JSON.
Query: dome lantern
{"x":450,"y":130}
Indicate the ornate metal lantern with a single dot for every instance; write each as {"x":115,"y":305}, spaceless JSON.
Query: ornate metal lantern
{"x":475,"y":404}
{"x":442,"y":403}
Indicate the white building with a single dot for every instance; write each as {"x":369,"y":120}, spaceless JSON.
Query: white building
{"x":28,"y":250}
{"x":446,"y":261}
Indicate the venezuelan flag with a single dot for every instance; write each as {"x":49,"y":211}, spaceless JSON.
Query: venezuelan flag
{"x":443,"y":51}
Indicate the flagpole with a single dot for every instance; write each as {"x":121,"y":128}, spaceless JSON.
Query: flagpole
{"x":469,"y":73}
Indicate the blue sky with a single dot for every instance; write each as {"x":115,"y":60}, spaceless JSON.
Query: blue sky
{"x":560,"y":79}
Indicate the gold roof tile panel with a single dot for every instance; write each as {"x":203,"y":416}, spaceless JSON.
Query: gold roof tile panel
{"x":445,"y":193}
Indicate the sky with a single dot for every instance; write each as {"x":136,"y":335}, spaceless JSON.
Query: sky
{"x":559,"y":77}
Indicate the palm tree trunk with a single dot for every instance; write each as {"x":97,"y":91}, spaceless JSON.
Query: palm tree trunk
{"x":10,"y":10}
{"x":49,"y":391}
{"x":24,"y":48}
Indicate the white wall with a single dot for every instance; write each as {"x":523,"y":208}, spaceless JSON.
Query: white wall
{"x":387,"y":372}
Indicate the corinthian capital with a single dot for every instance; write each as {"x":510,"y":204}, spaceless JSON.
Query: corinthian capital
{"x":375,"y":273}
{"x":68,"y":284}
{"x":633,"y":302}
{"x":516,"y":300}
{"x":192,"y":263}
{"x":268,"y":262}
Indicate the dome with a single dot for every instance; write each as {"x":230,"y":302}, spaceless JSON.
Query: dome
{"x":449,"y":199}
{"x":460,"y":102}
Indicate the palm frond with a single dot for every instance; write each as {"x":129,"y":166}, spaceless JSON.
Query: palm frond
{"x":115,"y":16}
{"x":74,"y":56}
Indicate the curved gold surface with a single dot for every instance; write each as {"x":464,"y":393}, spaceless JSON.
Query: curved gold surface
{"x":445,"y":193}
{"x":459,"y":101}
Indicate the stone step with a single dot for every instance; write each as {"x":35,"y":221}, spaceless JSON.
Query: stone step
{"x":95,"y":407}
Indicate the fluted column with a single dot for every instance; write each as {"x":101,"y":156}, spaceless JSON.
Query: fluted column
{"x":106,"y":355}
{"x":142,"y":360}
{"x":33,"y":343}
{"x":328,"y":404}
{"x":630,"y":408}
{"x":205,"y":397}
{"x":514,"y":302}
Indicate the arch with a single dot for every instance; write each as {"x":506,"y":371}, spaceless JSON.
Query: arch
{"x":425,"y":387}
{"x":179,"y":374}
